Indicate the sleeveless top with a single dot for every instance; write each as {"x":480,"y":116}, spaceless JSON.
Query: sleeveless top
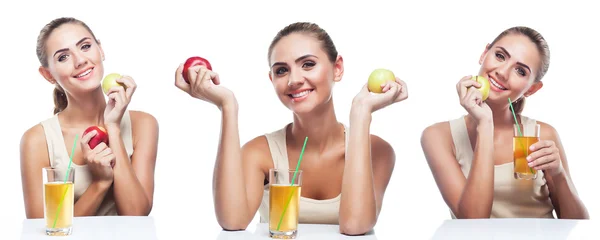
{"x":312,"y":211}
{"x":512,"y":198}
{"x":60,"y":157}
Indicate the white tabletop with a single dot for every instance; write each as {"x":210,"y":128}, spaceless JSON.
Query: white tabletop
{"x":126,"y":227}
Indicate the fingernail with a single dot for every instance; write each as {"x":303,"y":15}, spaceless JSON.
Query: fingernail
{"x":530,"y":164}
{"x":528,"y":158}
{"x":531,"y":147}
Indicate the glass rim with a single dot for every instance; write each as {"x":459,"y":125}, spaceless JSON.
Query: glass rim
{"x":528,"y":124}
{"x":283,"y":169}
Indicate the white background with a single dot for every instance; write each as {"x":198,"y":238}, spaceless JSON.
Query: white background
{"x":430,"y":45}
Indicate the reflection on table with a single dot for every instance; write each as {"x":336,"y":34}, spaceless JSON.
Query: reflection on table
{"x":305,"y":231}
{"x":105,"y":227}
{"x":521,"y":228}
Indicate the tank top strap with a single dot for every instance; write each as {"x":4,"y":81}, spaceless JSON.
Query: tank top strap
{"x":462,"y":143}
{"x":54,"y":140}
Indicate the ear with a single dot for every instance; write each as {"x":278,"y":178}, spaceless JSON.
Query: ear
{"x":47,"y":75}
{"x":483,"y":54}
{"x":101,"y":50}
{"x":338,"y":68}
{"x":270,"y":77}
{"x":534,"y":88}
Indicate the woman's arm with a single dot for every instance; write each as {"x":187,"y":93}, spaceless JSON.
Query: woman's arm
{"x":134,"y":179}
{"x":367,"y":171}
{"x":562,"y":190}
{"x":469,"y":197}
{"x":34,"y":157}
{"x":239,"y":174}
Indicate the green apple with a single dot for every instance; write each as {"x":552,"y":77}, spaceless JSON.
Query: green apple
{"x":378,"y":77}
{"x":485,"y":86}
{"x":111,"y":81}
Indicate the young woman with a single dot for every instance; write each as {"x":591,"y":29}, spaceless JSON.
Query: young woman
{"x":117,"y":179}
{"x":471,"y":157}
{"x":304,"y":66}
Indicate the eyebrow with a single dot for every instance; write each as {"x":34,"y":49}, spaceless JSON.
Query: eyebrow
{"x":67,"y":49}
{"x":519,"y":63}
{"x":297,"y":60}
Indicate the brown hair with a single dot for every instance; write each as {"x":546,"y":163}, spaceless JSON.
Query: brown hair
{"x":543,"y":49}
{"x":310,"y":29}
{"x":60,"y":98}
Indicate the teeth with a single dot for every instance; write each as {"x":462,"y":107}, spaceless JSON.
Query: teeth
{"x":85,"y":73}
{"x":496,"y":84}
{"x":301,"y":94}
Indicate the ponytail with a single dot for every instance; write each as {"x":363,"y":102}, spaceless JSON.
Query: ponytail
{"x":519,"y":105}
{"x":60,"y":99}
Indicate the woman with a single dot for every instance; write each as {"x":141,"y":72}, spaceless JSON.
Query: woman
{"x":113,"y":179}
{"x":304,"y":66}
{"x":471,"y":157}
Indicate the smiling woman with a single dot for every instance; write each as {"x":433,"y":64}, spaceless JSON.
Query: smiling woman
{"x":114,"y":179}
{"x":471,"y":157}
{"x":356,"y":165}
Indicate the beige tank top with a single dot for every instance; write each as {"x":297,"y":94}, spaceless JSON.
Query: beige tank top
{"x":512,"y":198}
{"x":60,"y":157}
{"x":312,"y":211}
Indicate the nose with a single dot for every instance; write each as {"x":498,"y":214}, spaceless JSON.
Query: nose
{"x":502,"y":72}
{"x":79,"y":59}
{"x":295,"y":79}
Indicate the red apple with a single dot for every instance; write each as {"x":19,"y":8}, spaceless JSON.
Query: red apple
{"x":194,"y":61}
{"x":101,"y":136}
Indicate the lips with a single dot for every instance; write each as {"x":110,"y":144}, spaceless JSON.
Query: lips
{"x":497,"y":85}
{"x":299,"y":95}
{"x":84,"y":74}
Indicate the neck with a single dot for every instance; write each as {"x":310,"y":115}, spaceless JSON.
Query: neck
{"x":503,"y":115}
{"x":85,"y":110}
{"x":320,"y":126}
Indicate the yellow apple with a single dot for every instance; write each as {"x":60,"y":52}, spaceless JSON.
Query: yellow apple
{"x":379,"y":77}
{"x":485,"y":86}
{"x":111,"y":81}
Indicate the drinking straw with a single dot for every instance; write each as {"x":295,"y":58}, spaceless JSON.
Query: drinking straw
{"x":292,"y":183}
{"x":518,"y":129}
{"x":66,"y":177}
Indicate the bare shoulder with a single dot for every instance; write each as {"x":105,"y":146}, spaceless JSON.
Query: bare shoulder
{"x":436,"y":130}
{"x":436,"y":136}
{"x":382,"y":151}
{"x":142,"y":119}
{"x":547,"y":131}
{"x":34,"y":137}
{"x":33,"y":145}
{"x":256,"y":152}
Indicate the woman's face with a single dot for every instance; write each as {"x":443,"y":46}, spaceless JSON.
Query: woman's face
{"x":301,"y":73}
{"x":511,"y":65}
{"x":74,"y":59}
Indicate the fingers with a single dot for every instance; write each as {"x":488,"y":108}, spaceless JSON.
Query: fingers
{"x":179,"y":81}
{"x":87,"y":137}
{"x":215,"y":77}
{"x":541,"y":144}
{"x":130,"y":85}
{"x":470,"y":98}
{"x":118,"y":94}
{"x":99,"y":148}
{"x":540,"y":153}
{"x":541,"y":161}
{"x":464,"y":84}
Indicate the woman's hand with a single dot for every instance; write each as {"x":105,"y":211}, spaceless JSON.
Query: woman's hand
{"x":393,"y":92}
{"x":205,"y":85}
{"x":545,"y":156}
{"x":471,"y":99}
{"x":118,"y":100}
{"x":100,"y":160}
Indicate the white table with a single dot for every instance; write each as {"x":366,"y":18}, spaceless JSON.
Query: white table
{"x":145,"y":228}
